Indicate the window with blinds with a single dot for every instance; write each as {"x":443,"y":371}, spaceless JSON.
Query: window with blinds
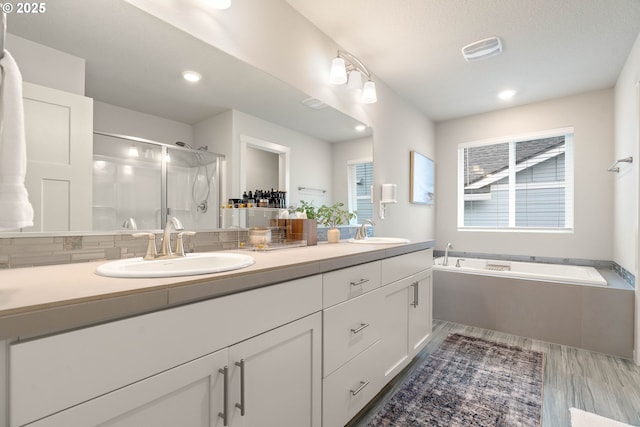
{"x":360,"y":182}
{"x":521,"y":183}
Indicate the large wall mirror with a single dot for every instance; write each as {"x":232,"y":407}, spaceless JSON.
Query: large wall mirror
{"x":118,"y":71}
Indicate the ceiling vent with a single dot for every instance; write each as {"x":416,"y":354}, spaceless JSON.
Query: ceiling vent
{"x":482,"y":49}
{"x":314,"y":103}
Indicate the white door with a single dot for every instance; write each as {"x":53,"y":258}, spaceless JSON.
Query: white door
{"x":275,"y":378}
{"x":189,"y":395}
{"x":59,"y":131}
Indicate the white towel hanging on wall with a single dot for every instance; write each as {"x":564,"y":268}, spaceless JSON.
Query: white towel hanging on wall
{"x":15,"y":210}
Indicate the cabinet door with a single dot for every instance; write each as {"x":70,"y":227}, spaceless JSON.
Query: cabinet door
{"x":395,"y":330}
{"x":275,"y":378}
{"x":420,"y":317}
{"x":407,"y":325}
{"x":189,"y":395}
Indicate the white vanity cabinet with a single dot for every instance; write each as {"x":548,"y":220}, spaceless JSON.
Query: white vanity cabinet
{"x":371,"y":334}
{"x":407,"y":321}
{"x":352,"y":325}
{"x":167,"y":368}
{"x":187,"y":395}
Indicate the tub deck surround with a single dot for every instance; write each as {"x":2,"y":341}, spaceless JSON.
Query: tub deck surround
{"x":615,"y":275}
{"x":596,"y":318}
{"x":556,"y":273}
{"x":42,"y":300}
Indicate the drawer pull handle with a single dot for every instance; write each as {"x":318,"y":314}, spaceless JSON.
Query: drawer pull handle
{"x":416,"y":299}
{"x":241,"y":405}
{"x":360,"y":328}
{"x":225,"y":397}
{"x":362,"y":385}
{"x":359,"y":282}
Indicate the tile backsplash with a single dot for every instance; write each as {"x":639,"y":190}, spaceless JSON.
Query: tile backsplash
{"x":48,"y":250}
{"x":34,"y":251}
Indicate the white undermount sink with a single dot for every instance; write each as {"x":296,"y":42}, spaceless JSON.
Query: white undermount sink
{"x":379,"y":240}
{"x":190,"y":265}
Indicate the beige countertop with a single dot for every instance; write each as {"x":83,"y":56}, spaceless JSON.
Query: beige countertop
{"x":43,"y":300}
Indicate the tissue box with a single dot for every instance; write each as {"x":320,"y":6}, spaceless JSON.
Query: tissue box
{"x":300,"y":229}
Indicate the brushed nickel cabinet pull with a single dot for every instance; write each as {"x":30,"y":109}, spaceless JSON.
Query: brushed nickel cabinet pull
{"x":359,"y":282}
{"x":362,"y":385}
{"x":415,"y":294}
{"x":360,"y":328}
{"x":241,"y":405}
{"x":225,"y":396}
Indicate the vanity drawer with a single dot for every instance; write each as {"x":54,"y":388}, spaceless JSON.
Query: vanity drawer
{"x":402,"y":266}
{"x":341,"y":285}
{"x":350,"y":388}
{"x":349,"y":328}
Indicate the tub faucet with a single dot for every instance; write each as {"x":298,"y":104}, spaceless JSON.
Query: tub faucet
{"x":361,"y":234}
{"x":165,"y":251}
{"x":446,"y":254}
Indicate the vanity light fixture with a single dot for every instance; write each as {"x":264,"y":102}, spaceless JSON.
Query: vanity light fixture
{"x":220,"y":4}
{"x":360,"y":128}
{"x":133,"y":151}
{"x":346,"y":68}
{"x":192,"y":76}
{"x":507,"y":94}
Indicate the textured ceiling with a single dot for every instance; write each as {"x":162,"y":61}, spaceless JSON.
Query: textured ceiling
{"x":552,"y":48}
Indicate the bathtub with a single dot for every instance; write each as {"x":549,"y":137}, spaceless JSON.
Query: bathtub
{"x":556,"y":273}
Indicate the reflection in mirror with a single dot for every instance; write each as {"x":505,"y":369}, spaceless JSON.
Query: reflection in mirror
{"x":128,"y":83}
{"x":138,"y":183}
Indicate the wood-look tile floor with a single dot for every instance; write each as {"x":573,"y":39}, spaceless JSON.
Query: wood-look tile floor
{"x":605,"y":385}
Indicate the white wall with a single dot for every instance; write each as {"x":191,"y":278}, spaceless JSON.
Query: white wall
{"x":63,"y":71}
{"x":275,"y":38}
{"x":626,"y":185}
{"x":310,"y":161}
{"x":122,"y":121}
{"x":591,"y":116}
{"x":626,"y":144}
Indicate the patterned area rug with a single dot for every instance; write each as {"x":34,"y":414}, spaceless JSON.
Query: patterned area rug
{"x":469,"y":382}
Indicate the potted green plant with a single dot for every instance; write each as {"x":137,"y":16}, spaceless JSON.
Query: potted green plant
{"x":309,"y":209}
{"x":332,"y":216}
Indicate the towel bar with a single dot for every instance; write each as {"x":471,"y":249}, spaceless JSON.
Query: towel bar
{"x":614,"y":167}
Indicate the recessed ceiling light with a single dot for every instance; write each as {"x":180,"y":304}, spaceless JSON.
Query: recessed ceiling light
{"x":220,"y":4}
{"x":360,"y":128}
{"x":507,"y":94}
{"x":191,"y":76}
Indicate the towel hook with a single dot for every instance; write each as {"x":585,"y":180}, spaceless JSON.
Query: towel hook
{"x":614,"y":167}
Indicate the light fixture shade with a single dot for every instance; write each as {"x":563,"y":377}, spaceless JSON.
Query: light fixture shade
{"x":369,"y":95}
{"x":355,"y":81}
{"x":338,"y":73}
{"x":133,"y":151}
{"x":220,"y":4}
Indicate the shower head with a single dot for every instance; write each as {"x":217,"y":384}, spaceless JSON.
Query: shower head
{"x":183,"y":144}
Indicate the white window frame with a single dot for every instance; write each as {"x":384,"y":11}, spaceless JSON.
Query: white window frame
{"x":351,"y":183}
{"x":569,"y":181}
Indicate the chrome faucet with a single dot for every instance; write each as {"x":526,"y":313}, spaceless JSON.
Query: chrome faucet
{"x":130,"y":223}
{"x":361,"y":234}
{"x":446,"y":254}
{"x":165,"y":251}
